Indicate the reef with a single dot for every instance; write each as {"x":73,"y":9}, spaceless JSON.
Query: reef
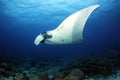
{"x":102,"y":68}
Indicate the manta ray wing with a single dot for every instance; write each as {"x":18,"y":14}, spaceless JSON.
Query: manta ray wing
{"x":71,"y":28}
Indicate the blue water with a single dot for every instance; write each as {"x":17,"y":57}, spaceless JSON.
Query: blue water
{"x":22,"y":20}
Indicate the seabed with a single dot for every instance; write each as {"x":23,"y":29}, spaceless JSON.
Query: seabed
{"x":102,"y":68}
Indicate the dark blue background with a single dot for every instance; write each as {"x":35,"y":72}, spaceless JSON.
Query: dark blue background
{"x":22,"y":20}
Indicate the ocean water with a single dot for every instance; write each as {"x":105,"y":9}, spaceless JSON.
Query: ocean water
{"x":22,"y":20}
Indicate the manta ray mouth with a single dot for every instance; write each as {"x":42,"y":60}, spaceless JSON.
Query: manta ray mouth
{"x":41,"y":38}
{"x":46,"y":36}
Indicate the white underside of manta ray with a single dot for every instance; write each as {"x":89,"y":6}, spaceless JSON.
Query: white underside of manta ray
{"x":69,"y":31}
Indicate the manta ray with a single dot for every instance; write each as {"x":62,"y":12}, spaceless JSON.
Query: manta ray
{"x":69,"y":31}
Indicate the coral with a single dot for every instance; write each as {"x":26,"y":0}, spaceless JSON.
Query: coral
{"x":71,"y":74}
{"x":25,"y":77}
{"x":42,"y":76}
{"x":93,"y":67}
{"x":33,"y":77}
{"x":6,"y":69}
